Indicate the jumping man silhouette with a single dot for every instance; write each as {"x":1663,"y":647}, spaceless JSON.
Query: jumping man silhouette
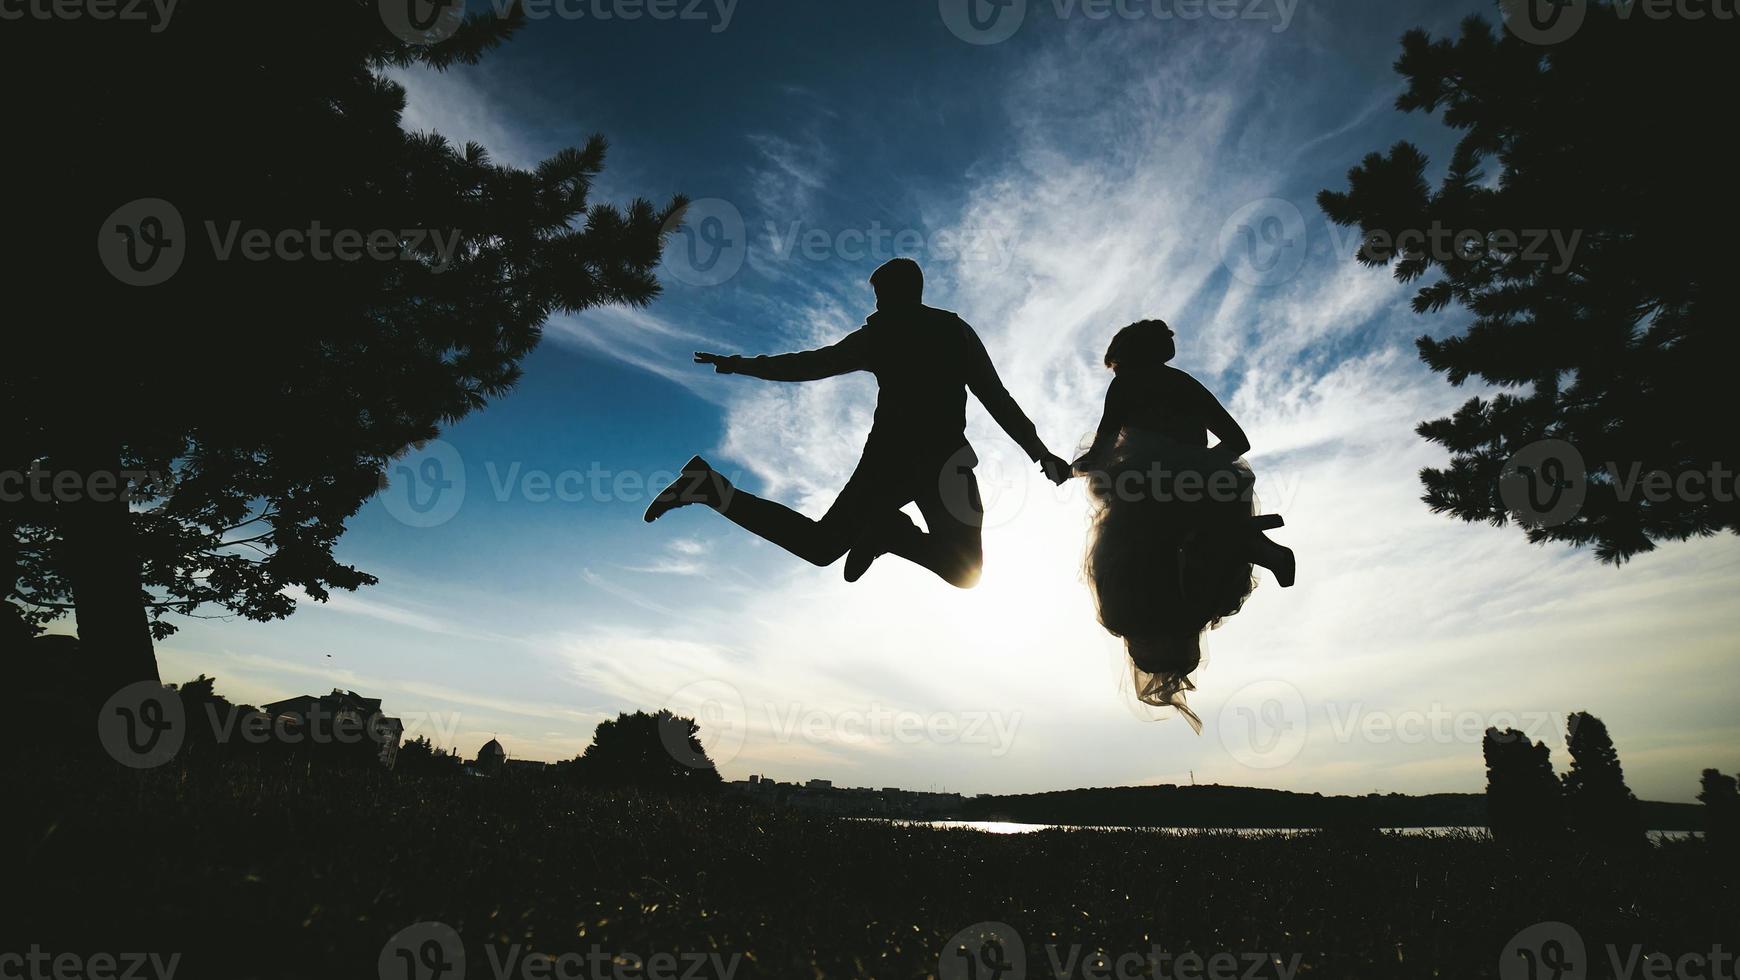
{"x":925,"y":360}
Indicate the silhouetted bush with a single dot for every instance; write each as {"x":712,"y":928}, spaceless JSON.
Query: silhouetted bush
{"x":1600,"y":807}
{"x":420,"y":757}
{"x":1524,"y":802}
{"x":660,"y":752}
{"x":1721,"y":802}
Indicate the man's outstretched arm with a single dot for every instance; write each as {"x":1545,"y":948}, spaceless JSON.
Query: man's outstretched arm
{"x":986,"y":386}
{"x":811,"y":365}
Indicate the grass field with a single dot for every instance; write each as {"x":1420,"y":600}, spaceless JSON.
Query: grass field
{"x":247,"y":872}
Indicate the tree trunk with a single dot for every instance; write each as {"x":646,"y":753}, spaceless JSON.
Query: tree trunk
{"x":103,"y":569}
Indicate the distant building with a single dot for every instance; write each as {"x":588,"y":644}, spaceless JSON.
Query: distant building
{"x":490,"y":758}
{"x":816,"y":785}
{"x":341,"y":715}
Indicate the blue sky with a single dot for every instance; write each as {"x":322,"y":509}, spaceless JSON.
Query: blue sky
{"x":1081,"y":174}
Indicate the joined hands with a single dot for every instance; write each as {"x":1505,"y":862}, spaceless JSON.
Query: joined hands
{"x":1056,"y":469}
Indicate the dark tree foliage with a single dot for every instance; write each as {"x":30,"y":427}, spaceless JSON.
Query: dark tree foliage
{"x":1721,"y":802}
{"x":421,"y":757}
{"x":1524,"y":803}
{"x":1622,"y":344}
{"x":1599,"y":806}
{"x":257,"y":400}
{"x":659,"y":752}
{"x":212,"y":722}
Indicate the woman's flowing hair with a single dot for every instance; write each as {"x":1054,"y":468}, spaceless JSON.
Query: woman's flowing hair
{"x":1160,"y":573}
{"x":1160,"y":672}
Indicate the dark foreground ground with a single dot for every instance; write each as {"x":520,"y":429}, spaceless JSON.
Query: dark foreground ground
{"x":252,"y":873}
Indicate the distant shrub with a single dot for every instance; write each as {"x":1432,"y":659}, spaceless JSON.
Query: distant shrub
{"x":1600,"y":807}
{"x":660,"y":752}
{"x":1524,"y":802}
{"x":421,"y":757}
{"x":1721,"y":801}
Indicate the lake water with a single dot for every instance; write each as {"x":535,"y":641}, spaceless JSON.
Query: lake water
{"x":1006,"y":827}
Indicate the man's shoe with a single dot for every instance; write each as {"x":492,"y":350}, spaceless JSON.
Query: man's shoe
{"x":875,"y":542}
{"x":699,"y":483}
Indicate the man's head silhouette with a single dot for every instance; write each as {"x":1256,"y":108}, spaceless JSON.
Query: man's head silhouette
{"x":898,"y":283}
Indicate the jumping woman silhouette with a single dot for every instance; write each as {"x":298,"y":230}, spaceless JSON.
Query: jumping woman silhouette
{"x":1175,"y":530}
